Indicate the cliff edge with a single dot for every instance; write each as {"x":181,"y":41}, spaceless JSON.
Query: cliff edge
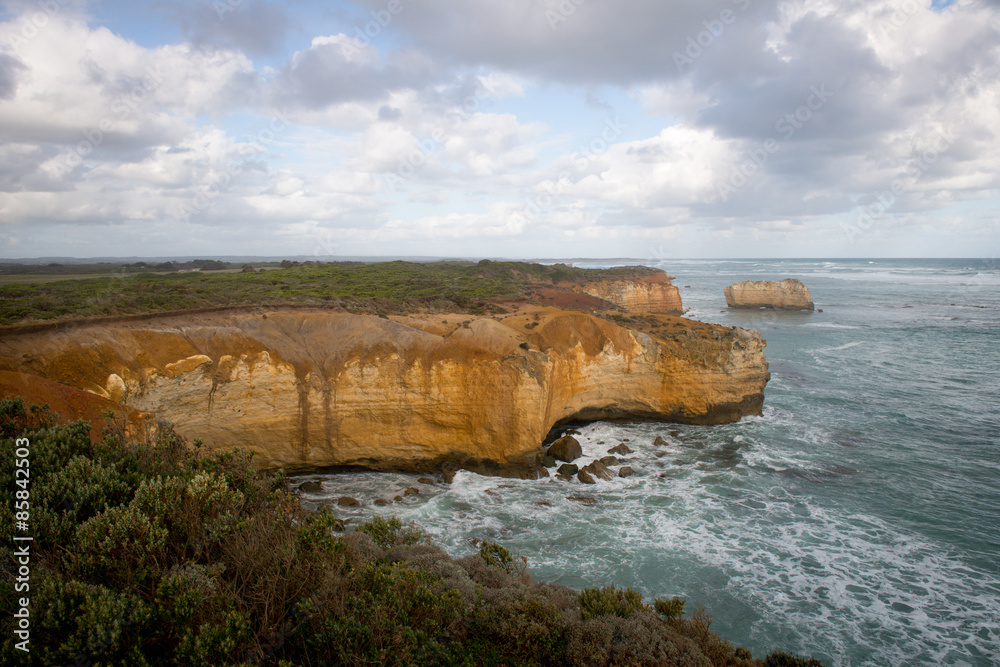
{"x":306,"y":390}
{"x":653,"y":293}
{"x":787,"y":294}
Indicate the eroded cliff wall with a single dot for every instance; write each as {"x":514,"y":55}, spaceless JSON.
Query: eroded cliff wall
{"x":306,"y":390}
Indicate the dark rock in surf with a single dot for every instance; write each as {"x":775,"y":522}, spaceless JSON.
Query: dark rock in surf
{"x":568,"y":469}
{"x":566,"y":448}
{"x":598,"y":470}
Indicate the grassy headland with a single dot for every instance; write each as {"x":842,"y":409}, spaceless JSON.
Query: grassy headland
{"x":385,"y":287}
{"x":151,"y":554}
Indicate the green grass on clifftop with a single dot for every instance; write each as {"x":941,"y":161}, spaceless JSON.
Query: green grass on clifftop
{"x":387,"y":287}
{"x":151,"y":554}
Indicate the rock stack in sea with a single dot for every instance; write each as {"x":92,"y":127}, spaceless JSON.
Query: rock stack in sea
{"x":789,"y":294}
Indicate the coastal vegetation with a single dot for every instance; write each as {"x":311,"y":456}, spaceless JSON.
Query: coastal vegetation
{"x":152,"y":553}
{"x":376,"y":288}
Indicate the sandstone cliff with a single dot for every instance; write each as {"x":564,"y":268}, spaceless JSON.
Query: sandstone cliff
{"x":642,"y":294}
{"x":313,"y":389}
{"x":787,"y":294}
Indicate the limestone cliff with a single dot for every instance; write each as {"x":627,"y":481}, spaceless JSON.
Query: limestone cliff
{"x":653,"y":293}
{"x":313,"y":389}
{"x":787,"y":294}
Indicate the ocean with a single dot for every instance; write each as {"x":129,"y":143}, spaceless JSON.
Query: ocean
{"x":857,"y":520}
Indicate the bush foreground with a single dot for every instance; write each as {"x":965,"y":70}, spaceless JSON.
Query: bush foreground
{"x":150,"y":554}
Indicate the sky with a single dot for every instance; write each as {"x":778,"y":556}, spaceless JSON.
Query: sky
{"x":651,"y":129}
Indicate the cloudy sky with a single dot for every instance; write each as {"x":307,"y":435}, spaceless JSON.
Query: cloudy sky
{"x":479,"y":128}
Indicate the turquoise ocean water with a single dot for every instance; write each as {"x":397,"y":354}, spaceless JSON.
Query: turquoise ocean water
{"x":857,"y":520}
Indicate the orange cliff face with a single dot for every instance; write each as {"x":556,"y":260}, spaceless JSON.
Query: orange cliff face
{"x":306,"y":390}
{"x":653,"y":293}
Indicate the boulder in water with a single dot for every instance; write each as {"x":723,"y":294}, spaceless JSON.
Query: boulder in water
{"x":598,"y":470}
{"x":568,"y":469}
{"x":566,"y":448}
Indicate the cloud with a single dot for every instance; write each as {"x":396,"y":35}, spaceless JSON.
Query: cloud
{"x":10,"y":67}
{"x":338,"y":68}
{"x":570,"y":41}
{"x":254,"y":27}
{"x":462,"y":124}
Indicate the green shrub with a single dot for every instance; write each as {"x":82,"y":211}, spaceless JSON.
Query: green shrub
{"x":609,"y":601}
{"x":782,"y":659}
{"x":495,"y":555}
{"x":73,"y":495}
{"x":77,"y":623}
{"x":15,"y":419}
{"x":518,"y":625}
{"x":317,"y":533}
{"x":387,"y":614}
{"x":390,"y":532}
{"x":189,"y":593}
{"x":125,"y":545}
{"x":672,"y":608}
{"x":228,"y":642}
